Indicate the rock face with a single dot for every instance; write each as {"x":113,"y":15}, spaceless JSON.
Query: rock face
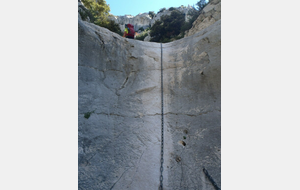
{"x":119,"y":110}
{"x":210,"y":14}
{"x":143,"y":19}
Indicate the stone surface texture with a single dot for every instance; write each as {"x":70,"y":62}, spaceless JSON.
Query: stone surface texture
{"x":119,"y":85}
{"x":210,"y":14}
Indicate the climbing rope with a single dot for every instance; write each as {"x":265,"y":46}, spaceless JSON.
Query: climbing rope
{"x":211,"y":179}
{"x":162,"y":124}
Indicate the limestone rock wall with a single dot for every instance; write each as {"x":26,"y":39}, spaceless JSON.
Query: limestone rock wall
{"x":141,"y":20}
{"x":119,"y":86}
{"x":118,"y":79}
{"x":144,"y":20}
{"x":192,"y":80}
{"x":210,"y":14}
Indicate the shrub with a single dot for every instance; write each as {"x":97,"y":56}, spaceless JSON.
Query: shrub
{"x":141,"y":29}
{"x":194,"y":13}
{"x":201,"y":4}
{"x":112,"y":26}
{"x":167,"y":27}
{"x":172,"y":9}
{"x":88,"y":114}
{"x":98,"y":12}
{"x":161,"y":10}
{"x":151,"y":14}
{"x":142,"y":36}
{"x":83,"y":14}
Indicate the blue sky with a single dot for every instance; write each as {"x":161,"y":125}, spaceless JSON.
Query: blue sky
{"x":134,"y":7}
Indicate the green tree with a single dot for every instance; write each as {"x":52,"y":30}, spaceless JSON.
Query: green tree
{"x":201,"y":4}
{"x":161,"y":10}
{"x":142,"y":36}
{"x":167,"y":27}
{"x":194,"y":14}
{"x":98,"y":8}
{"x":151,"y":14}
{"x":172,"y":9}
{"x":99,"y":11}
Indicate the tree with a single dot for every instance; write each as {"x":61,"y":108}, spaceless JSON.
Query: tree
{"x":161,"y":10}
{"x":167,"y":27}
{"x":151,"y":14}
{"x":201,"y":4}
{"x":98,"y":8}
{"x":100,"y":12}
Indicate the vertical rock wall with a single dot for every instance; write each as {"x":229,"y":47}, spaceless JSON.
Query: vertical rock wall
{"x":118,"y":79}
{"x":119,"y":85}
{"x":192,"y":80}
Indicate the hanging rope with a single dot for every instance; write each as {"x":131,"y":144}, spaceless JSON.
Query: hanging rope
{"x":211,"y":179}
{"x":162,"y":124}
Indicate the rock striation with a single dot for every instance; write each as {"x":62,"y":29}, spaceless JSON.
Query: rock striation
{"x":119,"y":110}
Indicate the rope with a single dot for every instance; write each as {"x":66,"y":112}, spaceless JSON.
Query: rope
{"x":211,"y":179}
{"x":162,"y":123}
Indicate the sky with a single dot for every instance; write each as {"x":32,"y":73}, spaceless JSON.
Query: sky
{"x":134,"y":7}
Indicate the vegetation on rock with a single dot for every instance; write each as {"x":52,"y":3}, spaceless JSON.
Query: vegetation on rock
{"x":168,"y":28}
{"x":173,"y":27}
{"x":151,"y":14}
{"x":98,"y":12}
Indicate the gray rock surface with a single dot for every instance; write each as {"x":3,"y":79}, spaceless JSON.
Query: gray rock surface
{"x":119,"y":85}
{"x":210,"y":14}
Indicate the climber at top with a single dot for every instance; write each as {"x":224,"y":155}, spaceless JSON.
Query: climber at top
{"x":129,"y":31}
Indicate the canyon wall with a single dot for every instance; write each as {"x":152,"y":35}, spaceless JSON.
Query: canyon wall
{"x":119,"y":110}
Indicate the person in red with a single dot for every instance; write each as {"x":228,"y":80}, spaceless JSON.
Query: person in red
{"x":129,"y":31}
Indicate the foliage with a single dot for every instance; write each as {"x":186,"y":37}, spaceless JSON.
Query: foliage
{"x":99,"y":9}
{"x":194,"y":13}
{"x":99,"y":12}
{"x":112,"y":26}
{"x":201,"y":4}
{"x":161,"y":10}
{"x":151,"y":14}
{"x":141,"y":29}
{"x":88,"y":114}
{"x":172,"y":9}
{"x":167,"y":27}
{"x":83,"y":14}
{"x":142,"y":36}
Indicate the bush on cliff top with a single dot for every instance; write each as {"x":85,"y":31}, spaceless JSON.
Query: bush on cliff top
{"x":98,"y":12}
{"x":173,"y":27}
{"x":167,"y":27}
